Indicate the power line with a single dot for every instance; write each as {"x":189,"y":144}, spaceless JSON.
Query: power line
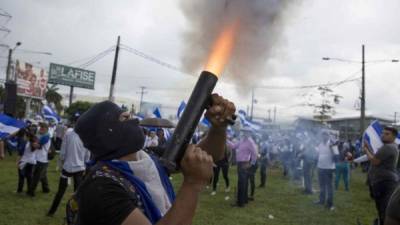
{"x":175,"y":68}
{"x":95,"y":59}
{"x":307,"y":86}
{"x":4,"y":13}
{"x":152,"y":58}
{"x":89,"y":59}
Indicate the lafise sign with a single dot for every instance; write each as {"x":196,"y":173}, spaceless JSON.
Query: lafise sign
{"x":71,"y":76}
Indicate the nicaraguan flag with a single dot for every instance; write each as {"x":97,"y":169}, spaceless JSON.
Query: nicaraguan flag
{"x":167,"y":134}
{"x":50,"y":114}
{"x":247,"y":123}
{"x":372,"y":136}
{"x":9,"y":125}
{"x":157,"y":113}
{"x":138,"y":116}
{"x":205,"y":122}
{"x":181,"y":107}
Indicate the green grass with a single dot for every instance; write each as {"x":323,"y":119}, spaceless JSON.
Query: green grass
{"x":281,"y":198}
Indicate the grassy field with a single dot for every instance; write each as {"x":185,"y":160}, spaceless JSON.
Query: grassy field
{"x":281,"y":199}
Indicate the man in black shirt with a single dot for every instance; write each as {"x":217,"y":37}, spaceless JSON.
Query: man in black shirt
{"x":382,"y":175}
{"x":126,"y":186}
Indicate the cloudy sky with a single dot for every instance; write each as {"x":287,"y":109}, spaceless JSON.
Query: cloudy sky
{"x":75,"y":30}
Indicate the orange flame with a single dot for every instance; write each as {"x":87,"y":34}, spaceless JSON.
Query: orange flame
{"x":222,"y":50}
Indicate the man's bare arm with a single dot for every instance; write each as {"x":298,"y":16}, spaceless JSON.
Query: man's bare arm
{"x":197,"y":168}
{"x":219,"y":113}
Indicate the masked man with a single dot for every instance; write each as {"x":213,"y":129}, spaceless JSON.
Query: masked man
{"x":129,"y":187}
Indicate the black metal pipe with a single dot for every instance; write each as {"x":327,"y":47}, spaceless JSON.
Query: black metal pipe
{"x":199,"y":100}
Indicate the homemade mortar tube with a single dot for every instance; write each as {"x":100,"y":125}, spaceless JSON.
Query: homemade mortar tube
{"x":199,"y":100}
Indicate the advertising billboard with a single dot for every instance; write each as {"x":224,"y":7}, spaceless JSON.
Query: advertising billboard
{"x":31,"y":81}
{"x":71,"y":76}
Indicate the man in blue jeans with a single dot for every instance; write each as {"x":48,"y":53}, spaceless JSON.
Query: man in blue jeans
{"x":327,"y":151}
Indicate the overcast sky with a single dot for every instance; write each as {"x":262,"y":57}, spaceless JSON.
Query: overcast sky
{"x":76,"y":29}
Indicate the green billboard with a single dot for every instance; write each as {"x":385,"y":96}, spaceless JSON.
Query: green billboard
{"x":71,"y":76}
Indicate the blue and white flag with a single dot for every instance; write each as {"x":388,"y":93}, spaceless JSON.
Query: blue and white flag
{"x":247,"y":123}
{"x":49,"y":114}
{"x":372,"y":136}
{"x":181,"y":107}
{"x":167,"y":133}
{"x":137,"y":116}
{"x":9,"y":125}
{"x":157,"y":113}
{"x":205,"y":122}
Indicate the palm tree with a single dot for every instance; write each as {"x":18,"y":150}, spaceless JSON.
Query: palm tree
{"x":52,"y":96}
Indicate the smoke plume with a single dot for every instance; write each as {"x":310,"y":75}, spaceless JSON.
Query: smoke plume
{"x":259,"y":29}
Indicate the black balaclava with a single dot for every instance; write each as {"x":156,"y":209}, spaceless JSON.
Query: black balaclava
{"x":105,"y":135}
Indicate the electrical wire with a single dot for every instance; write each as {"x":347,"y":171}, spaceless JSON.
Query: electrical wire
{"x":95,"y":59}
{"x":151,"y":58}
{"x":91,"y":58}
{"x":308,"y":86}
{"x":175,"y":68}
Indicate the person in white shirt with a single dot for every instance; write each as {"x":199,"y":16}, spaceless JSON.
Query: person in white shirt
{"x":73,"y":156}
{"x":42,"y":162}
{"x":327,"y":151}
{"x":26,"y":165}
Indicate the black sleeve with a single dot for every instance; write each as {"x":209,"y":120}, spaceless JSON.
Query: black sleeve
{"x":104,"y":201}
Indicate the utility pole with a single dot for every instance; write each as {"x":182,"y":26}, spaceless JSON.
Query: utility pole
{"x":71,"y":94}
{"x":252,"y":104}
{"x":362,"y":118}
{"x":362,"y":97}
{"x":114,"y":71}
{"x":10,"y":102}
{"x":275,"y":114}
{"x":8,"y":72}
{"x":142,"y":92}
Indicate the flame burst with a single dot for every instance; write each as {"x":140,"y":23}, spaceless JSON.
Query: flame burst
{"x":222,"y":50}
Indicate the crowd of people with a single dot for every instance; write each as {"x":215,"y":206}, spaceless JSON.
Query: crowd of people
{"x":302,"y":153}
{"x":118,"y":178}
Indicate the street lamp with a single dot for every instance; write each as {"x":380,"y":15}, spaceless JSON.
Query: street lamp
{"x":17,"y":44}
{"x":10,"y":86}
{"x":362,"y":119}
{"x":10,"y":51}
